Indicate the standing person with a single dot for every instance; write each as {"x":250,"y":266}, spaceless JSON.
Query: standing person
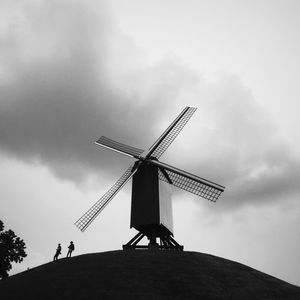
{"x":71,"y":249}
{"x":57,"y":253}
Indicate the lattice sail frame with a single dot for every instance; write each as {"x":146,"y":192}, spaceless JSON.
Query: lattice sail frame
{"x":191,"y":185}
{"x":83,"y":222}
{"x":169,"y":135}
{"x":119,"y":147}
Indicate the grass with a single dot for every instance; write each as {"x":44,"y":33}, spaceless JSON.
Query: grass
{"x":145,"y":274}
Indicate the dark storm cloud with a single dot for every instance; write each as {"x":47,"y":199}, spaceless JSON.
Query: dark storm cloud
{"x":68,"y":76}
{"x":262,"y":166}
{"x":241,"y":148}
{"x":57,"y":99}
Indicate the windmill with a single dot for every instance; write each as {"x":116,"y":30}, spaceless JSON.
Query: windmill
{"x":151,"y":207}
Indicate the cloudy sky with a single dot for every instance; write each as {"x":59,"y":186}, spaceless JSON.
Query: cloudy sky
{"x":71,"y":71}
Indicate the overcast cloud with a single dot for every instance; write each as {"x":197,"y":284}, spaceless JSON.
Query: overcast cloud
{"x":69,"y":76}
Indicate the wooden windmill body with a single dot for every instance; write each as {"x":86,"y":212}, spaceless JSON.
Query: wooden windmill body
{"x":151,"y":206}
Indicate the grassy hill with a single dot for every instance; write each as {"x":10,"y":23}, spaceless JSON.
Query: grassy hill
{"x":145,"y":275}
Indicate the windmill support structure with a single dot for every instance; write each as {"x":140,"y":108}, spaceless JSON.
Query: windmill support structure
{"x":166,"y":242}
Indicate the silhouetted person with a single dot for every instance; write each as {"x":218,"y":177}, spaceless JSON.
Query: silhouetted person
{"x":71,"y":249}
{"x":57,"y":253}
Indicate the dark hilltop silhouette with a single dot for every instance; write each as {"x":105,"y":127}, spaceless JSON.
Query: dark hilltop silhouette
{"x":137,"y":273}
{"x":145,"y":274}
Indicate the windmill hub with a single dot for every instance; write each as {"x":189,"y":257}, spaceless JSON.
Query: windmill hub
{"x":151,"y":205}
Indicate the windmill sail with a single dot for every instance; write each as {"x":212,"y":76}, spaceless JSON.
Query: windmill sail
{"x":169,"y":135}
{"x":119,"y":147}
{"x":189,"y":182}
{"x":83,"y":222}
